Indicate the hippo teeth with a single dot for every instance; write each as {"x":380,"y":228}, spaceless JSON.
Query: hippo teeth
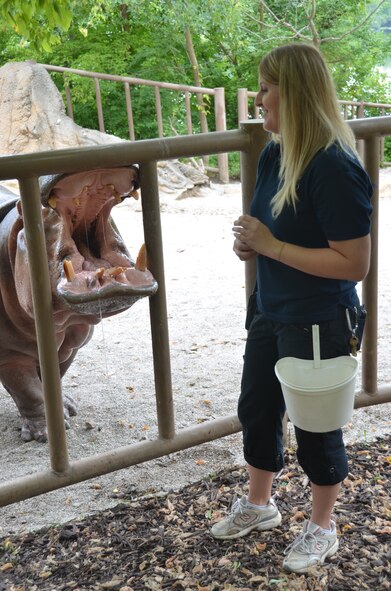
{"x":141,"y":261}
{"x":119,"y":197}
{"x":69,"y":270}
{"x":114,"y":271}
{"x":105,"y":273}
{"x":141,"y":265}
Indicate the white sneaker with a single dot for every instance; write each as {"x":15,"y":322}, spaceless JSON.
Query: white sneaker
{"x":243,"y":519}
{"x":310,"y":548}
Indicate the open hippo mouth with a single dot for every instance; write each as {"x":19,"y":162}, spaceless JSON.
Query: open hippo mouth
{"x":97,"y":273}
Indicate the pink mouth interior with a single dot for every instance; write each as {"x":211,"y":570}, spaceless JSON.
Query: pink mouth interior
{"x":93,"y":246}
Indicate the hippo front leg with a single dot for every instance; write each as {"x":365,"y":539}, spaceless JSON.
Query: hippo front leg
{"x":25,"y":387}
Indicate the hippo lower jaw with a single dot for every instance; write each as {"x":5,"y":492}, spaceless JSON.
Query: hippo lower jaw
{"x":106,"y":291}
{"x":108,"y":299}
{"x":97,"y":274}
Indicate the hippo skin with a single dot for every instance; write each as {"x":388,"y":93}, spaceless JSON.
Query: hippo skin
{"x":100,"y":280}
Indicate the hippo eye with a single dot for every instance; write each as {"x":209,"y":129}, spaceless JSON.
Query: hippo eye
{"x":64,"y":252}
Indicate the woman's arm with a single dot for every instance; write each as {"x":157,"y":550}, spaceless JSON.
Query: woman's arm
{"x":345,"y":259}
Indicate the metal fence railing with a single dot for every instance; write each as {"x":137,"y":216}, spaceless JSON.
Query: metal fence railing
{"x":128,"y":82}
{"x":246,"y":108}
{"x":249,"y":140}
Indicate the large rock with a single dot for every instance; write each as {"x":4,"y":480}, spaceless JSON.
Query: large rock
{"x":33,"y":119}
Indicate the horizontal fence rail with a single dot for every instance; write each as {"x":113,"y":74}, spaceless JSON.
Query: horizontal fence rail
{"x":128,"y":82}
{"x":249,"y":140}
{"x":349,"y":109}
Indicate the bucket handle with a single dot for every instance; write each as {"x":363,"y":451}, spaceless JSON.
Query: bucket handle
{"x":316,"y":345}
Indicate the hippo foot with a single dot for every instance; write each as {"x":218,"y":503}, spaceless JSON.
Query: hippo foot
{"x":70,"y":406}
{"x":34,"y":429}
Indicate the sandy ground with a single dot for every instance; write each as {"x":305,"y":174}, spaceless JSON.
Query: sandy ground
{"x":112,"y":377}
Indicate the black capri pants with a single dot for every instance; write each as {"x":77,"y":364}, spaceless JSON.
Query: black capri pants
{"x":261,"y":405}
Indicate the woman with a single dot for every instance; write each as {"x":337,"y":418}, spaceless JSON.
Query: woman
{"x":309,"y":231}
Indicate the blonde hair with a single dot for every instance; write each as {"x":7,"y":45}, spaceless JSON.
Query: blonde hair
{"x":309,"y":113}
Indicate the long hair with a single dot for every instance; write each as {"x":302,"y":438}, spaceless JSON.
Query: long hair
{"x":309,"y":114}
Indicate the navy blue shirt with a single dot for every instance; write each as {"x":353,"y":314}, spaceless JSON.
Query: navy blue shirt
{"x":334,"y":195}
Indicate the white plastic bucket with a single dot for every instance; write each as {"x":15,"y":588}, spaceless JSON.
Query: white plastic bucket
{"x":318,"y":393}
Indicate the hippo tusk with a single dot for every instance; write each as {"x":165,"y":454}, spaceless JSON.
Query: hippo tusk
{"x":52,"y":201}
{"x":114,"y":271}
{"x":69,"y":270}
{"x":141,"y":261}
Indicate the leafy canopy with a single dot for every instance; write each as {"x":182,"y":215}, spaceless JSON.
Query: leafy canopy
{"x":146,"y":39}
{"x":38,"y":22}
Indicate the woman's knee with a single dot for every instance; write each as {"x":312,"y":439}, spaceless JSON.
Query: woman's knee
{"x":322,"y":456}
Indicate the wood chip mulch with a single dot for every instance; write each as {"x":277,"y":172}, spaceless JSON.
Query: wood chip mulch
{"x":163,"y":542}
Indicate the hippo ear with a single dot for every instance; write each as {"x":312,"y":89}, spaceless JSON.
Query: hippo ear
{"x":136,"y":180}
{"x":19,"y":207}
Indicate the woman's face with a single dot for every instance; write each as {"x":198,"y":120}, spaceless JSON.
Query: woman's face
{"x":268,"y":99}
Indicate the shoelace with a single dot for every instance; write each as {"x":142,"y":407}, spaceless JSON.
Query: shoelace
{"x":236,"y":507}
{"x":306,"y":543}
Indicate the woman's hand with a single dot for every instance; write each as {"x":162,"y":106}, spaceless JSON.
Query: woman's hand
{"x":256,"y":237}
{"x":344,"y":259}
{"x":242,"y":251}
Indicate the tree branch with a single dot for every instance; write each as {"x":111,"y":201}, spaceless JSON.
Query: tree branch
{"x":297,"y":34}
{"x":366,"y":19}
{"x":311,"y":24}
{"x":288,"y":26}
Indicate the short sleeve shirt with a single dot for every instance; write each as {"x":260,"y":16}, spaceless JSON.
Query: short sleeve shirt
{"x":334,"y":203}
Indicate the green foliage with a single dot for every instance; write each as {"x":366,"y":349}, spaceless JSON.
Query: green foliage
{"x":39,"y":23}
{"x":387,"y":150}
{"x":145,"y":39}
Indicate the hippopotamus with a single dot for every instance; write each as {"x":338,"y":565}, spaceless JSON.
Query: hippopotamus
{"x":92,"y":276}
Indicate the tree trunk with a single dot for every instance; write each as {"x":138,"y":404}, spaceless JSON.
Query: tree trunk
{"x":124,"y":11}
{"x":197,"y":79}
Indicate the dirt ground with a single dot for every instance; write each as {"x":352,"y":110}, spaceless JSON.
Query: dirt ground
{"x":160,"y":542}
{"x":112,"y":377}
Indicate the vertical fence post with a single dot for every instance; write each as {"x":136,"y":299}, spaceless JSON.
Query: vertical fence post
{"x":129,"y":111}
{"x":242,"y":105}
{"x":99,"y":105}
{"x":360,"y":143}
{"x":157,"y":303}
{"x":248,"y":172}
{"x":44,"y":323}
{"x":188,"y":113}
{"x":370,"y":284}
{"x":69,"y":101}
{"x":159,"y":111}
{"x":222,"y":159}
